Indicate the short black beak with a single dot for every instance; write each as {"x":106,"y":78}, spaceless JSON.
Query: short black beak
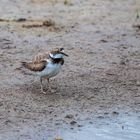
{"x":64,"y":54}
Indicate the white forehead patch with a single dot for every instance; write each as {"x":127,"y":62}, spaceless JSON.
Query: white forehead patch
{"x":62,"y":50}
{"x":51,"y":55}
{"x":56,"y":55}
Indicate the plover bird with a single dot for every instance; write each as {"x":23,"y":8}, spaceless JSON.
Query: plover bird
{"x":46,"y":65}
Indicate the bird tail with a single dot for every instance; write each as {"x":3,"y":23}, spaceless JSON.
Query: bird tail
{"x":24,"y":64}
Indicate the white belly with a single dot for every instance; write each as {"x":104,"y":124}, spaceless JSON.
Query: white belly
{"x":51,"y":70}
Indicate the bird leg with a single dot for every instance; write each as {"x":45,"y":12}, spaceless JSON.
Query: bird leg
{"x":41,"y":84}
{"x":48,"y":80}
{"x":49,"y":88}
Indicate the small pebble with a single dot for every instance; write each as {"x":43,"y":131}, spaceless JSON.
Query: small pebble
{"x":58,"y":138}
{"x":73,"y":122}
{"x":115,"y":113}
{"x":69,"y":116}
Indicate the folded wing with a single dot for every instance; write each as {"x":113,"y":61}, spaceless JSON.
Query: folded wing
{"x":35,"y":66}
{"x":40,"y":57}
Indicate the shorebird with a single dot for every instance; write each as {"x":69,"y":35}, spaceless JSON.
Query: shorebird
{"x":46,"y":65}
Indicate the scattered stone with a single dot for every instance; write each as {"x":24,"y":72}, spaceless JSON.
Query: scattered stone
{"x":7,"y":122}
{"x":110,"y":73}
{"x":103,"y":40}
{"x":115,"y":113}
{"x":21,"y":20}
{"x":4,"y":20}
{"x":58,"y":138}
{"x":79,"y":125}
{"x":91,"y":122}
{"x":67,"y":2}
{"x":90,"y":52}
{"x":50,"y":112}
{"x":51,"y":106}
{"x":57,"y":123}
{"x":138,"y":83}
{"x":39,"y":35}
{"x":124,"y":34}
{"x":73,"y":122}
{"x":122,"y":62}
{"x":137,"y":26}
{"x":69,"y":116}
{"x":100,"y":117}
{"x":1,"y":104}
{"x":122,"y":127}
{"x":48,"y":23}
{"x":106,"y":113}
{"x":124,"y":47}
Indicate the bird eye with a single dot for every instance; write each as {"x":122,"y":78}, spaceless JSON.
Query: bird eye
{"x":61,"y":49}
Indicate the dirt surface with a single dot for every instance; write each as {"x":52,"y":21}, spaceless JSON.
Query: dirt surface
{"x":100,"y":78}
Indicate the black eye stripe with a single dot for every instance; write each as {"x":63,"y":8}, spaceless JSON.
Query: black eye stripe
{"x":61,"y":49}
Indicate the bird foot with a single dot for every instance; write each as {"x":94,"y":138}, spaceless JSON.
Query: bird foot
{"x":44,"y":92}
{"x":52,"y":90}
{"x":49,"y":89}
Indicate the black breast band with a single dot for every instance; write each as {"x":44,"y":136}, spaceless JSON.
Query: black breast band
{"x":57,"y":60}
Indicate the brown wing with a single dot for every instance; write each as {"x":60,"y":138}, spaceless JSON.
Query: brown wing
{"x":55,"y":51}
{"x":41,"y":57}
{"x":35,"y":66}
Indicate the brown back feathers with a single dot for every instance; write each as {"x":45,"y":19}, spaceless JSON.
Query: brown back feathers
{"x":35,"y":66}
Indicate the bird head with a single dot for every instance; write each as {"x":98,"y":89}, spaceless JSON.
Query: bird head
{"x":57,"y":53}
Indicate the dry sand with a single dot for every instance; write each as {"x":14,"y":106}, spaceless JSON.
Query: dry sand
{"x":100,"y":79}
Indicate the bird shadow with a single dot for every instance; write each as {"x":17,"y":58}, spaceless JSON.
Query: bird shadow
{"x":35,"y":87}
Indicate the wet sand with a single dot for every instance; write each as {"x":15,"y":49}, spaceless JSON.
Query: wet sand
{"x":99,"y":81}
{"x":120,"y":128}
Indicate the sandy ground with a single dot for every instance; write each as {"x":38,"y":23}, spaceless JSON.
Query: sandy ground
{"x":100,"y":79}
